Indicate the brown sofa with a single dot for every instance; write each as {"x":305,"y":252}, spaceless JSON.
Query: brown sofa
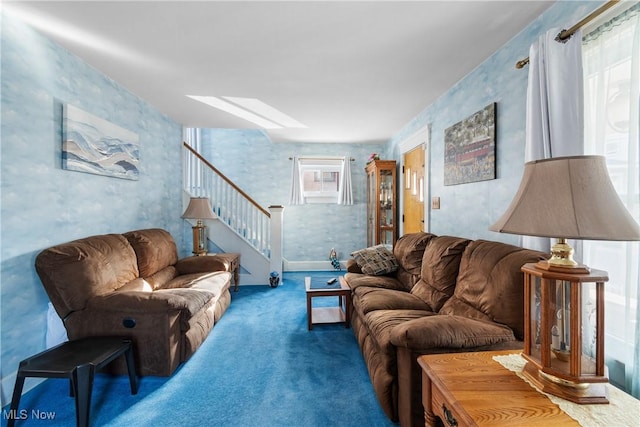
{"x":447,"y":295}
{"x":133,"y":285}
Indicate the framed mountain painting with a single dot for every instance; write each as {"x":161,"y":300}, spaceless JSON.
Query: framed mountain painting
{"x":93,"y":145}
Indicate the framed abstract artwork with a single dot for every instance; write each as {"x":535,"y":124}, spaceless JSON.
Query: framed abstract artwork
{"x":93,"y":145}
{"x":470,"y":148}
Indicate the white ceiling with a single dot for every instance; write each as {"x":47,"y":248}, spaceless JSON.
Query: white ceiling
{"x":352,"y":71}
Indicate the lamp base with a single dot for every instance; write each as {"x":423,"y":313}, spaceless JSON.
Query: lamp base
{"x":199,"y":239}
{"x":581,"y":393}
{"x":568,"y":269}
{"x":562,"y":261}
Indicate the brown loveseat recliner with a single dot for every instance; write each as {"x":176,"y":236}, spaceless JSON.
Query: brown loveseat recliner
{"x":133,"y":285}
{"x":447,"y":295}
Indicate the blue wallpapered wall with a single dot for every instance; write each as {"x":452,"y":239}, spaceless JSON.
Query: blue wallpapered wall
{"x":42,"y":204}
{"x":468,"y":210}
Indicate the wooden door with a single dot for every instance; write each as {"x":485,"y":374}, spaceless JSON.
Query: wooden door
{"x":413,"y":190}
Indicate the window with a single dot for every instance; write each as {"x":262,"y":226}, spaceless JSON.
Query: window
{"x":611,"y":63}
{"x":320,"y":180}
{"x":192,"y":180}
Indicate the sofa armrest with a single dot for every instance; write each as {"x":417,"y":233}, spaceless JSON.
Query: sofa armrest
{"x":157,"y":324}
{"x":355,"y":280}
{"x":352,"y":266}
{"x":444,"y":331}
{"x":200,"y":264}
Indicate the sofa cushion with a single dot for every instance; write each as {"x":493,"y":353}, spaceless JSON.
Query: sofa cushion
{"x":409,"y":250}
{"x":439,"y":270}
{"x":216,"y":282}
{"x":76,"y":271}
{"x":376,"y":260}
{"x":368,"y":299}
{"x":155,"y":249}
{"x":490,"y":284}
{"x":448,"y":332}
{"x":191,"y":301}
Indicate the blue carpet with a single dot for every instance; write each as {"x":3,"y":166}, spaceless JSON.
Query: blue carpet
{"x":258,"y":367}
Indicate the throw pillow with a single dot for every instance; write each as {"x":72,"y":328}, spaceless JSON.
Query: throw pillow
{"x":376,"y":260}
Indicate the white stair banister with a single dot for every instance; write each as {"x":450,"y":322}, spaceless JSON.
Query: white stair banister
{"x":234,"y":208}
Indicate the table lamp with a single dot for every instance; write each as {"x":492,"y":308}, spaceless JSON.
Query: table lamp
{"x":199,"y":209}
{"x":566,"y":198}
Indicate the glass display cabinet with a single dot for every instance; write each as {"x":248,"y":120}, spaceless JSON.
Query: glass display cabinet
{"x":381,"y":203}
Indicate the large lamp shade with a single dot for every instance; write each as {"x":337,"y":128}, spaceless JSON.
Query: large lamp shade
{"x":199,"y":208}
{"x":570,"y":197}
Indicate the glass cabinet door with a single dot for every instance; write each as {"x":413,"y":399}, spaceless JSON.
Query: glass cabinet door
{"x":371,"y":208}
{"x":381,"y":203}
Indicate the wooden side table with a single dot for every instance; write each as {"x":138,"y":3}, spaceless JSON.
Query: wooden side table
{"x":232,"y":261}
{"x":472,"y":389}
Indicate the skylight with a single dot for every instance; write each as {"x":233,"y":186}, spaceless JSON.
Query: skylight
{"x":251,"y":109}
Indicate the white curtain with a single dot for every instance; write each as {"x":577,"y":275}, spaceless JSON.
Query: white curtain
{"x":555,"y":98}
{"x":612,"y":101}
{"x":295,"y":195}
{"x":554,"y":125}
{"x":345,"y":194}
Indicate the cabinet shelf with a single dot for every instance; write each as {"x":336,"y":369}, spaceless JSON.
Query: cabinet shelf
{"x":381,"y":202}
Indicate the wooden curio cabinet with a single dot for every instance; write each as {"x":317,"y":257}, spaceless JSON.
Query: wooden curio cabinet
{"x":382,"y":221}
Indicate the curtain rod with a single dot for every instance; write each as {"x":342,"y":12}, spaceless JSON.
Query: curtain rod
{"x":566,"y":34}
{"x":322,"y":158}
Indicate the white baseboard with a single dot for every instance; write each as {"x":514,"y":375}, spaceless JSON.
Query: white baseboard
{"x":311,"y":266}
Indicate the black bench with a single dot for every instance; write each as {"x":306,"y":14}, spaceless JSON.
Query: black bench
{"x":77,"y":360}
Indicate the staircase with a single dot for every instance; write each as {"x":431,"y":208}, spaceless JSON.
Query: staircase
{"x":242,"y":225}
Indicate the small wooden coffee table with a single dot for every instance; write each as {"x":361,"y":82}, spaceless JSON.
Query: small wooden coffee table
{"x":472,"y":389}
{"x":317,"y":287}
